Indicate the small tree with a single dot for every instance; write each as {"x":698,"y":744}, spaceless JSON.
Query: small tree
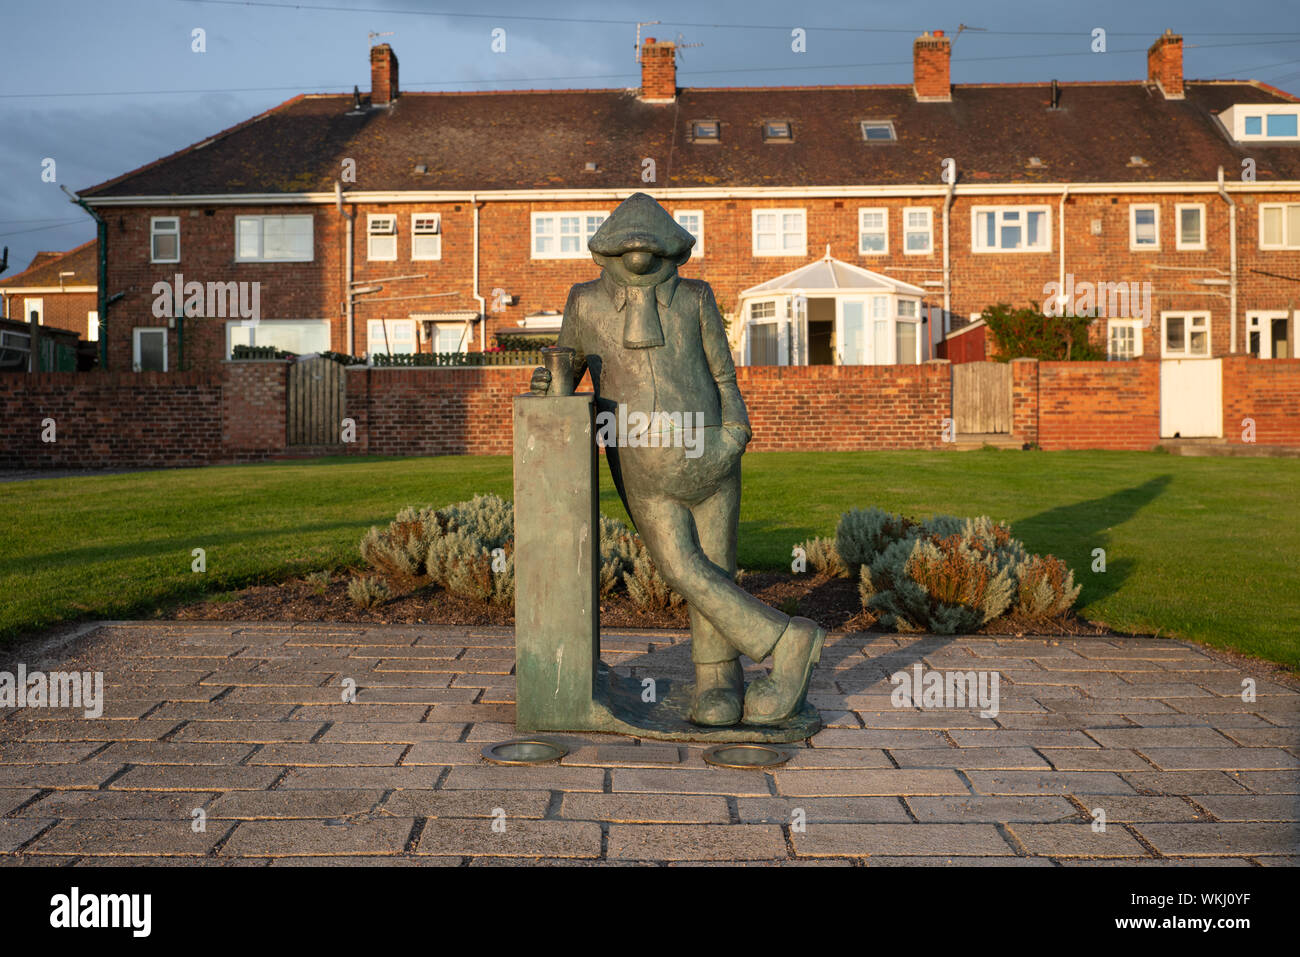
{"x":1028,"y":333}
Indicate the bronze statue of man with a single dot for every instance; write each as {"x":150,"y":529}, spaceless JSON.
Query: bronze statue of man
{"x":655,"y":344}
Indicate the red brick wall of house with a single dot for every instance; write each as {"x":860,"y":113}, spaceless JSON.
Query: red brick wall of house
{"x":315,"y":290}
{"x":1265,"y":391}
{"x":145,"y":419}
{"x":60,"y":310}
{"x":1097,"y":405}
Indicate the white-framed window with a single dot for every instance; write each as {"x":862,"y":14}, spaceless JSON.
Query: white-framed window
{"x":918,"y":231}
{"x":149,"y":349}
{"x":777,"y":130}
{"x":764,"y":335}
{"x":1190,"y":219}
{"x":878,"y":131}
{"x":274,"y":239}
{"x":780,"y":232}
{"x":92,"y":326}
{"x":426,"y":236}
{"x":705,"y":131}
{"x":36,"y":306}
{"x":390,"y":336}
{"x":873,"y":231}
{"x":1123,"y":338}
{"x":692,"y":220}
{"x":164,"y":239}
{"x":564,"y":235}
{"x":381,"y":237}
{"x":449,"y":337}
{"x":907,"y":342}
{"x":1257,"y":122}
{"x":1011,"y":229}
{"x":1279,"y":225}
{"x":1186,"y":335}
{"x":299,"y":336}
{"x":1143,"y":226}
{"x":1266,"y":336}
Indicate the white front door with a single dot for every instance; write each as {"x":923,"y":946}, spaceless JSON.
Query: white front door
{"x":1191,"y":398}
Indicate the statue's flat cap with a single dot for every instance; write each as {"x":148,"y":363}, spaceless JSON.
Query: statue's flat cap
{"x":640,"y":223}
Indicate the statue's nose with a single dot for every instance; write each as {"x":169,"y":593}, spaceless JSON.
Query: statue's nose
{"x":639,"y":261}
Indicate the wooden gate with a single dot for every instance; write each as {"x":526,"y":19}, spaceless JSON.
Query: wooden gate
{"x":981,"y":397}
{"x":315,"y":403}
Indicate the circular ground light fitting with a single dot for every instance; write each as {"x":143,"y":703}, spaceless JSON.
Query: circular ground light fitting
{"x":748,"y":756}
{"x":524,"y":751}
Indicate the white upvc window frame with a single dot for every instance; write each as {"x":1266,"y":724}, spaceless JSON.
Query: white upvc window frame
{"x":268,"y":327}
{"x":887,"y":125}
{"x":978,"y":237}
{"x":156,"y":229}
{"x":1263,"y":111}
{"x":909,"y":230}
{"x":261,"y":256}
{"x":34,"y":304}
{"x":420,"y":231}
{"x":781,"y":232}
{"x":378,"y":346}
{"x":92,"y":325}
{"x":751,"y":321}
{"x":1133,"y":244}
{"x":135,"y":345}
{"x":697,"y":251}
{"x":882,"y":231}
{"x":1261,"y":321}
{"x":585,"y":231}
{"x":381,"y":237}
{"x":1178,"y":226}
{"x":1189,"y":316}
{"x":1288,"y":241}
{"x":1134,"y":326}
{"x":462,"y":339}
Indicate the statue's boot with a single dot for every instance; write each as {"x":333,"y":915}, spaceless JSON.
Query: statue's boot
{"x":776,"y":698}
{"x":718,"y":687}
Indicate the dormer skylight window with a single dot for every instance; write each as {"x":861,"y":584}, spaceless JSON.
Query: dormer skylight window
{"x":1262,"y":123}
{"x":777,"y":130}
{"x":878,"y":131}
{"x":705,"y":130}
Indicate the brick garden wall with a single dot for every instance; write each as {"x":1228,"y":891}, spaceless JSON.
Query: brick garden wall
{"x":1096,"y":405}
{"x":1266,"y":391}
{"x":145,"y":419}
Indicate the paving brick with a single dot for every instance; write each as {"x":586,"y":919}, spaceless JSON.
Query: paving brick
{"x":874,"y":738}
{"x":521,"y":838}
{"x":700,"y":842}
{"x":361,"y":713}
{"x":328,"y":755}
{"x":993,"y":810}
{"x":683,"y":781}
{"x":177,"y":711}
{"x":1204,"y":737}
{"x":1048,"y":782}
{"x":121,"y":805}
{"x":1077,"y":840}
{"x":250,"y":732}
{"x":535,"y":778}
{"x":150,"y":729}
{"x":11,"y":798}
{"x":480,"y":804}
{"x":867,"y":783}
{"x":15,"y":833}
{"x":314,"y":837}
{"x":847,"y":810}
{"x":394,"y":860}
{"x":624,"y":756}
{"x":338,"y":778}
{"x":1095,"y":759}
{"x":1221,"y":759}
{"x":162,"y":777}
{"x":46,"y":752}
{"x":1218,"y":839}
{"x":87,"y":774}
{"x":1184,"y":782}
{"x":646,"y":808}
{"x":176,"y":752}
{"x":252,"y":805}
{"x":963,"y":758}
{"x":858,"y":840}
{"x":1252,"y":807}
{"x":1026,"y":738}
{"x":890,"y":861}
{"x":112,"y":838}
{"x":1127,"y":808}
{"x":1270,"y":782}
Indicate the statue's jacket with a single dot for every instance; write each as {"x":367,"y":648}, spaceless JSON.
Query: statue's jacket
{"x":691,"y":373}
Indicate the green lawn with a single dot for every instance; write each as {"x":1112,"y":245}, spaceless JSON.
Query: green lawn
{"x":1202,"y":548}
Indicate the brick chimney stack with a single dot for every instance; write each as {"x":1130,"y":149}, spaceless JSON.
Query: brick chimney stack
{"x":658,"y":71}
{"x":931,"y":54}
{"x":1165,"y":64}
{"x":383,"y":75}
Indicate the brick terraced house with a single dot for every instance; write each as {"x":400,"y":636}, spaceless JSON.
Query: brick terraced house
{"x":60,"y":288}
{"x":848,"y":225}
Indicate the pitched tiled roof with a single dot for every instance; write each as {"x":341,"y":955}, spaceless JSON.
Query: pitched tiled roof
{"x":544,"y":140}
{"x":44,"y":269}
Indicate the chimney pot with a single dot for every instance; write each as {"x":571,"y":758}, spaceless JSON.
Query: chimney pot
{"x":1165,"y":64}
{"x":383,"y":75}
{"x":931,"y":56}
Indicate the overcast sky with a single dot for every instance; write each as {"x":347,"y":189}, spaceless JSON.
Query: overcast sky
{"x":104,"y":86}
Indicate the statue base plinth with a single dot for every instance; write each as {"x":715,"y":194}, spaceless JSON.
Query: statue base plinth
{"x":617,"y":708}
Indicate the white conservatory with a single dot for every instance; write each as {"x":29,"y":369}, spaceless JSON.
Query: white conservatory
{"x":830,"y":312}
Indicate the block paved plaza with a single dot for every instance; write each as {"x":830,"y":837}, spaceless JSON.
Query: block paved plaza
{"x":229,"y":743}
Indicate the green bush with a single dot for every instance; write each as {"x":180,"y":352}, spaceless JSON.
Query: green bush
{"x":823,"y":556}
{"x":368,"y":590}
{"x":863,"y":533}
{"x":1030,"y":334}
{"x":1045,"y":588}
